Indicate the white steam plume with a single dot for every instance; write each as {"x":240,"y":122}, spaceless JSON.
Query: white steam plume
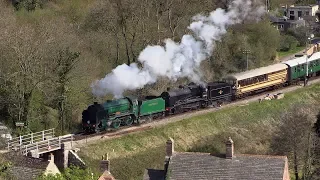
{"x":177,"y":60}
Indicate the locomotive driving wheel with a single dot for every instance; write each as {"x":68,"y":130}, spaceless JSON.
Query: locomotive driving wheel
{"x":128,"y":121}
{"x":116,"y":123}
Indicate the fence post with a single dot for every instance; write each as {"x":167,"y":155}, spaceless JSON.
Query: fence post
{"x":42,"y":135}
{"x":71,"y":140}
{"x":49,"y":145}
{"x":37,"y":147}
{"x":31,"y":138}
{"x":20,"y":140}
{"x":26,"y":150}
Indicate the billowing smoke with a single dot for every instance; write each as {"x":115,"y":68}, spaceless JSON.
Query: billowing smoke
{"x":177,"y":60}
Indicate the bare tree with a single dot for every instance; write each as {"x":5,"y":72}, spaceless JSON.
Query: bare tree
{"x":293,"y":138}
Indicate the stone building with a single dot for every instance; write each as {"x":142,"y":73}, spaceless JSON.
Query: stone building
{"x":193,"y":166}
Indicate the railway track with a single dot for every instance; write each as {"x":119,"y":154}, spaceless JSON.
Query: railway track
{"x":82,"y":138}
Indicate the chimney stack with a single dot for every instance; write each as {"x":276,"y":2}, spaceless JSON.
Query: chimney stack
{"x":169,"y":147}
{"x":229,"y":148}
{"x":104,"y":164}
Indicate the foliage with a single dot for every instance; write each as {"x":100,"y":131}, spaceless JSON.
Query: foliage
{"x":28,"y":5}
{"x":290,"y":52}
{"x":299,"y":33}
{"x":315,"y":174}
{"x":287,"y":43}
{"x":251,"y":126}
{"x":261,"y":39}
{"x":71,"y":173}
{"x":293,"y":137}
{"x":52,"y":50}
{"x":4,"y":166}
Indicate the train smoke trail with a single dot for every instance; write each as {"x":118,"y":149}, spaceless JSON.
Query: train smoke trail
{"x":176,"y":60}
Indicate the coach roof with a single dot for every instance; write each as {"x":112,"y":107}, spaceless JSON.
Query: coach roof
{"x":257,"y":72}
{"x":296,"y":61}
{"x":315,"y":56}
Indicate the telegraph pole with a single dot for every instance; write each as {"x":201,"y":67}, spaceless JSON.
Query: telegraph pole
{"x":246,"y":51}
{"x":306,"y":54}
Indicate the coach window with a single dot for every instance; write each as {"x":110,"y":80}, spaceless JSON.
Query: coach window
{"x":295,"y":69}
{"x":298,"y":68}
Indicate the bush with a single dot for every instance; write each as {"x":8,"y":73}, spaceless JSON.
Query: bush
{"x":71,"y":173}
{"x":288,"y":42}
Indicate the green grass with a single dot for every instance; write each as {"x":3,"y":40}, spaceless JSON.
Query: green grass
{"x":251,"y":127}
{"x":282,"y":54}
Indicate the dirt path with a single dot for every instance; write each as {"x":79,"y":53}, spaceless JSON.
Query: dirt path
{"x":142,"y":127}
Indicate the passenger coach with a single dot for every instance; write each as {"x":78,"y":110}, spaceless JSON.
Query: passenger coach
{"x":249,"y":82}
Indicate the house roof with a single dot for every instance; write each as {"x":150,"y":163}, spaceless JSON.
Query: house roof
{"x":185,"y":166}
{"x":26,"y":167}
{"x":276,"y":19}
{"x":257,"y":72}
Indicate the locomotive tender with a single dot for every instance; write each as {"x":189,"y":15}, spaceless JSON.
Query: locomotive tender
{"x":125,"y":111}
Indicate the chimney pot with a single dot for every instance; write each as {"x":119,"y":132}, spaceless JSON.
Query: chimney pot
{"x":169,"y":147}
{"x":229,"y":149}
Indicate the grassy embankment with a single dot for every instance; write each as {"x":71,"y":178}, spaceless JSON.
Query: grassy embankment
{"x":293,"y":51}
{"x":250,"y":126}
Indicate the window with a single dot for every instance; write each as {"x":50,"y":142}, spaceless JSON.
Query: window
{"x":299,"y":13}
{"x":295,"y":69}
{"x":292,"y":12}
{"x":253,"y":80}
{"x":307,"y":13}
{"x":280,"y":26}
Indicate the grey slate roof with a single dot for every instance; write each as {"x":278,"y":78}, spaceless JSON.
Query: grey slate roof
{"x":193,"y":166}
{"x":24,"y":167}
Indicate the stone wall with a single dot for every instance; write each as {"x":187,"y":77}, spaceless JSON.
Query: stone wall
{"x":75,"y":160}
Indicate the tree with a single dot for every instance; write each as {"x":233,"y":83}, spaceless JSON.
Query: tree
{"x":66,"y":61}
{"x":294,"y":138}
{"x":288,"y":42}
{"x":315,"y":174}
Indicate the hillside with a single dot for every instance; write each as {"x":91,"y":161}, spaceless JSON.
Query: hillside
{"x":252,"y":127}
{"x":53,"y":50}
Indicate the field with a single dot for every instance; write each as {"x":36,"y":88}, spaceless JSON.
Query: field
{"x":250,"y":126}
